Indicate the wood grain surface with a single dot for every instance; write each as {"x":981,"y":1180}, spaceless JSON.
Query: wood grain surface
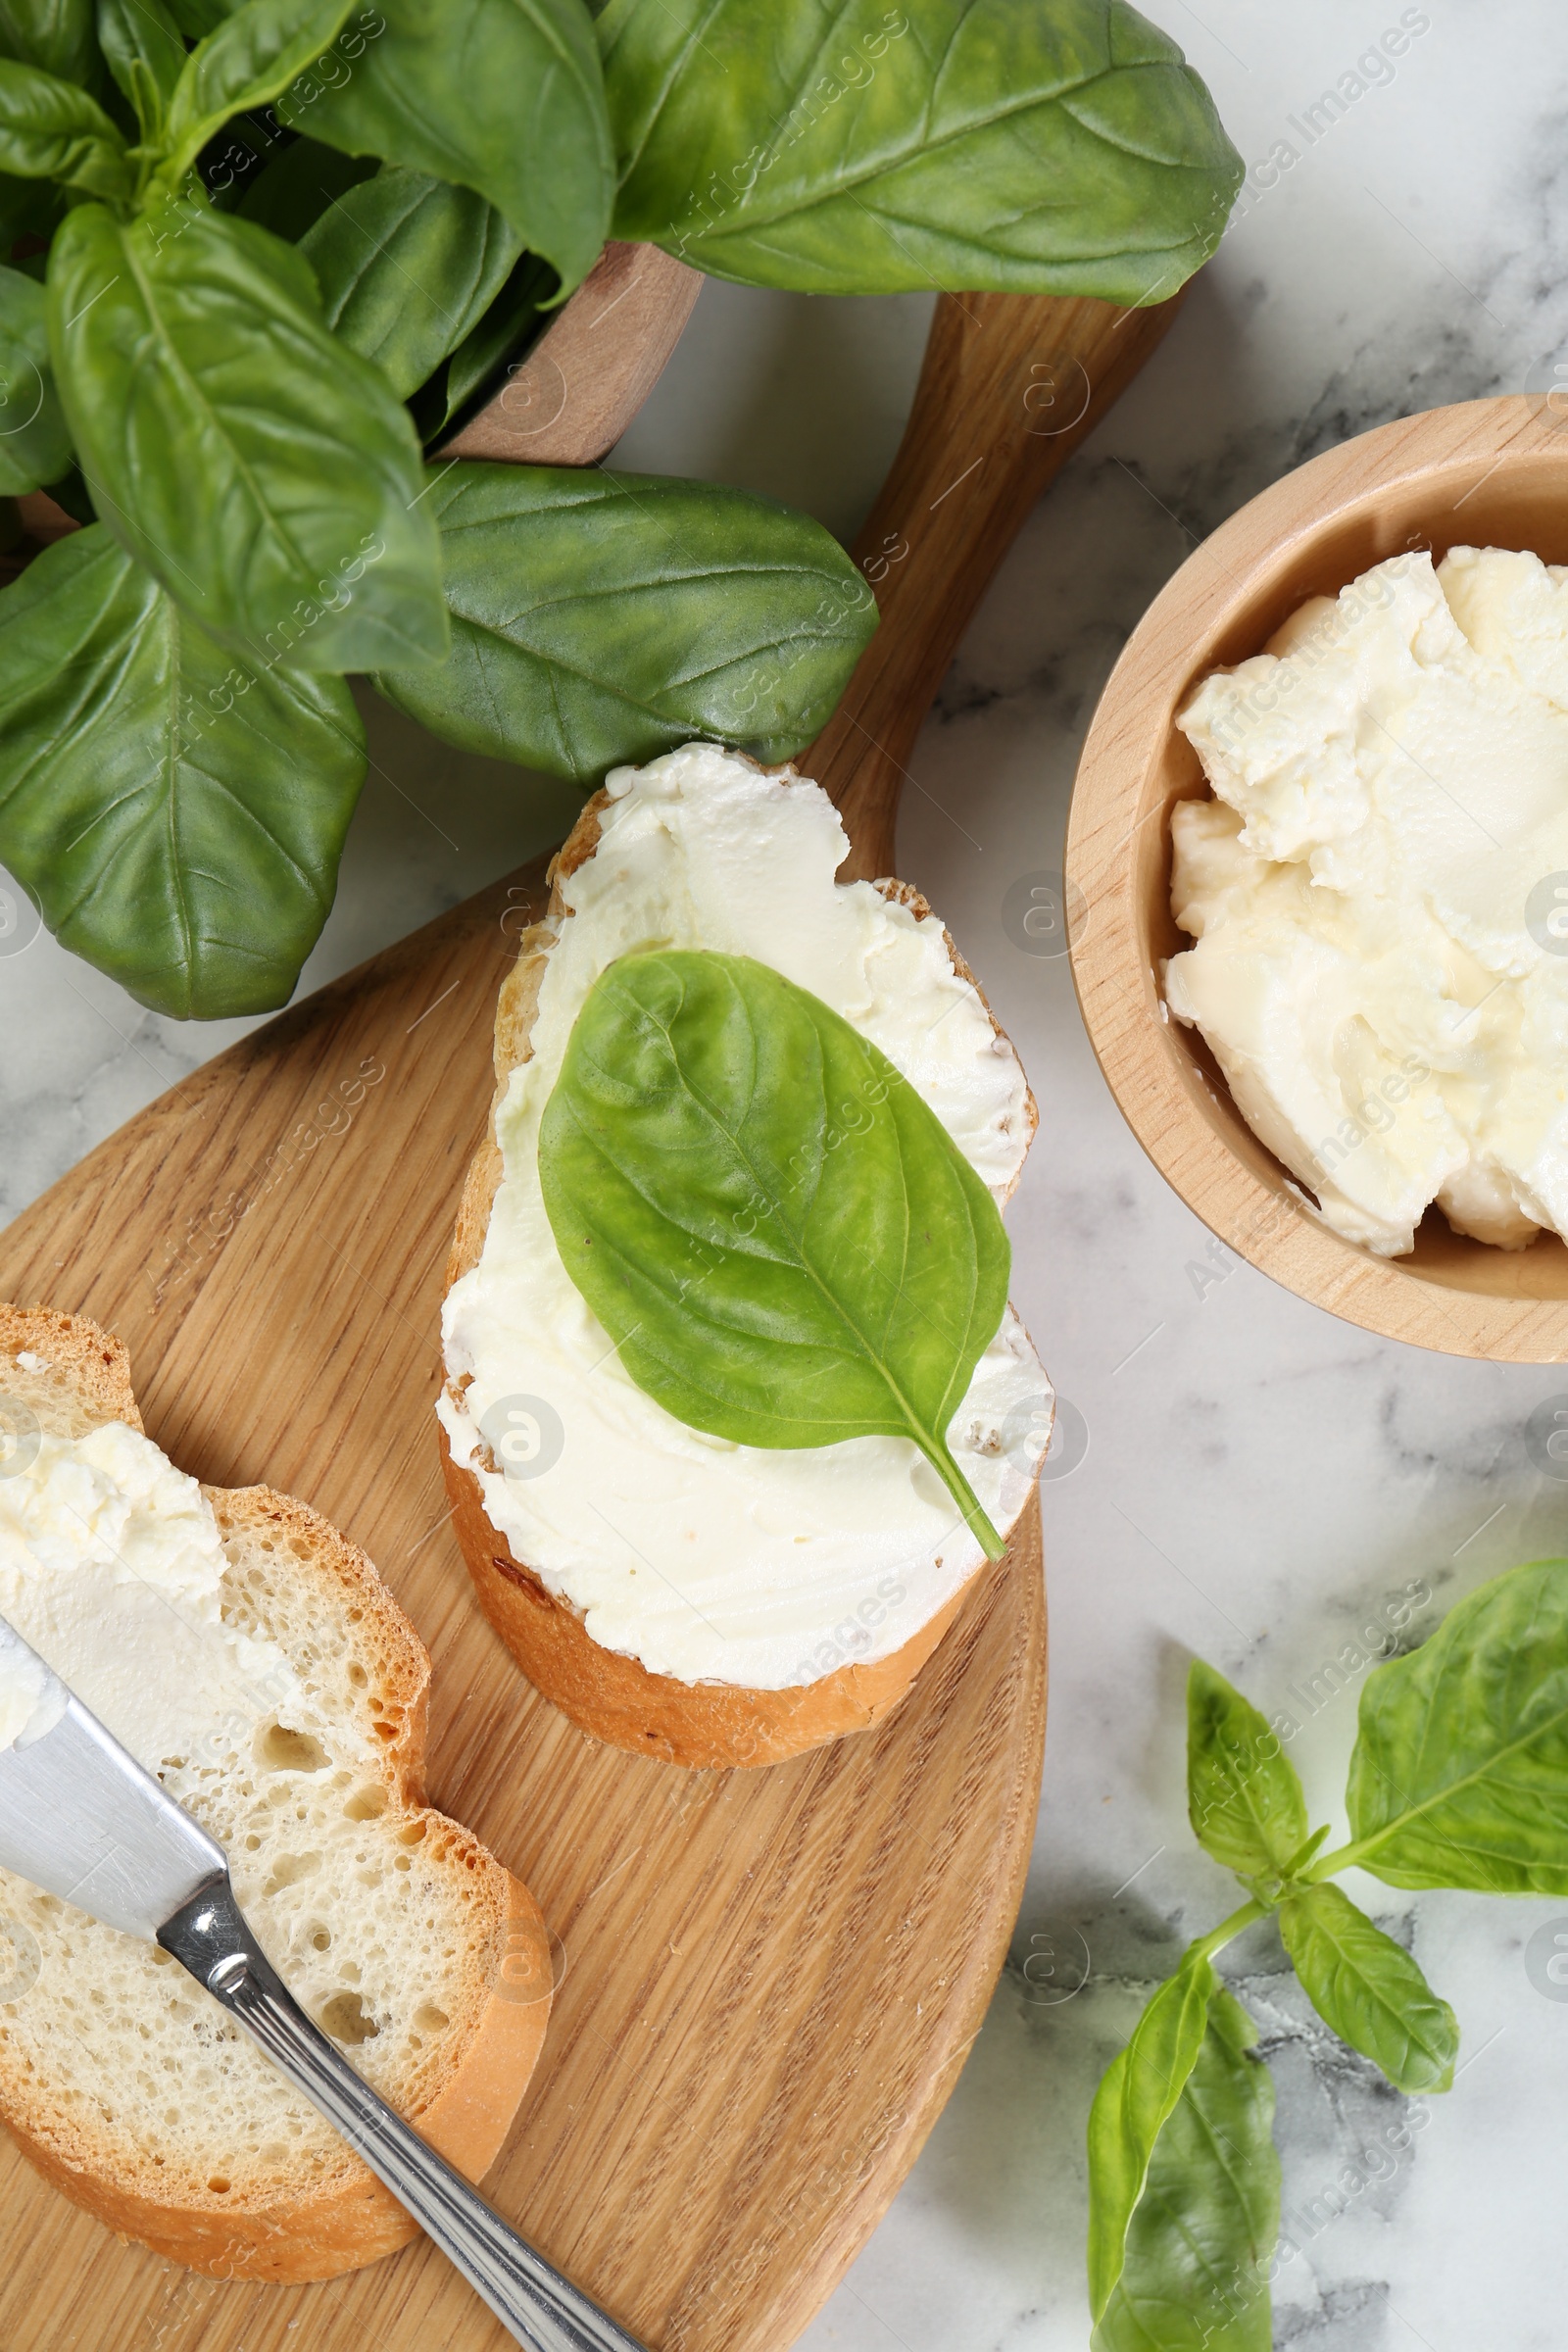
{"x":576,"y":391}
{"x":767,"y":1981}
{"x":1483,"y":473}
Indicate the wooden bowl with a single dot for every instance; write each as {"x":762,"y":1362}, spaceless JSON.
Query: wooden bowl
{"x":1485,"y":474}
{"x":577,"y":388}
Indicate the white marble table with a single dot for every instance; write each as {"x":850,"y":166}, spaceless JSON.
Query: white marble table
{"x":1257,"y":1472}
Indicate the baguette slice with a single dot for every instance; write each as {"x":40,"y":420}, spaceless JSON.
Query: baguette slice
{"x":701,"y":1725}
{"x":119,"y":2078}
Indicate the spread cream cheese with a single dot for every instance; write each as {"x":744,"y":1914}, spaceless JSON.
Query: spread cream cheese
{"x":704,"y":1559}
{"x":110,"y":1568}
{"x":32,"y":1698}
{"x":1379,"y":895}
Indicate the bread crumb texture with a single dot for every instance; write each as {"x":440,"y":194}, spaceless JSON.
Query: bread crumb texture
{"x":387,"y":1921}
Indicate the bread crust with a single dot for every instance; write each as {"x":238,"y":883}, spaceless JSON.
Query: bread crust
{"x":466,"y":2106}
{"x":355,"y":2220}
{"x":703,"y":1726}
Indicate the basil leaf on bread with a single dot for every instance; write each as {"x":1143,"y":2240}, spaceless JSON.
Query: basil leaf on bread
{"x":784,"y":1242}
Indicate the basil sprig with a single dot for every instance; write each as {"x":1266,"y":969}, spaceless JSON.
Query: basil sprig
{"x":1459,"y":1778}
{"x":183,"y":830}
{"x":865,"y":149}
{"x":572,"y":676}
{"x":144,"y":50}
{"x":57,"y":34}
{"x":290,"y":243}
{"x":502,"y":96}
{"x":1209,"y":2210}
{"x":1460,"y":1774}
{"x":35,"y":445}
{"x":406,"y":265}
{"x":1243,"y":1795}
{"x":163,"y":330}
{"x":1136,"y":2099}
{"x":780,"y":1235}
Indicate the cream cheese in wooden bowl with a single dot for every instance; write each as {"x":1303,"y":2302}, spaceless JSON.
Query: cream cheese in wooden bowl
{"x":1377,"y":896}
{"x":1321,"y":835}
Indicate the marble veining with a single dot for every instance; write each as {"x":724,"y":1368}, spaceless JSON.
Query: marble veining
{"x":1258,"y":1476}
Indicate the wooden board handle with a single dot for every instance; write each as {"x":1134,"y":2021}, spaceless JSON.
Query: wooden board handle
{"x":1009,"y":386}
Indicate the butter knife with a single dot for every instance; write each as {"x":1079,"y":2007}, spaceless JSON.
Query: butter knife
{"x":79,"y":1818}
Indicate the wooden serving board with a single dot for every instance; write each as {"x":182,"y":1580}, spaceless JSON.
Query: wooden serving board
{"x":767,"y":1981}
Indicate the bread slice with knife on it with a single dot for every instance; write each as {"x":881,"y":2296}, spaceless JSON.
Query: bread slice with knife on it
{"x":735,"y":1406}
{"x":250,"y":1658}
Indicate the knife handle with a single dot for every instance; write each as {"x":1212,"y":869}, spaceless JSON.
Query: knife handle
{"x":212,"y":1937}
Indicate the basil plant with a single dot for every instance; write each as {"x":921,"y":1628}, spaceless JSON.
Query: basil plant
{"x":1460,"y":1779}
{"x":258,"y":260}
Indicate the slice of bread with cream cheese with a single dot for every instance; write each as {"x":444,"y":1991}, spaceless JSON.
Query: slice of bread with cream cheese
{"x":680,"y":1595}
{"x":252,"y":1658}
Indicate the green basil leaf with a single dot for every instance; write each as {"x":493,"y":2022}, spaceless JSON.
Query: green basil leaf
{"x":294,"y":189}
{"x":1459,"y":1777}
{"x":49,"y":129}
{"x":145,"y":51}
{"x":1137,"y":2095}
{"x":251,"y":58}
{"x":199,"y":18}
{"x":1243,"y":1797}
{"x":1200,"y":2241}
{"x":964,"y":144}
{"x":507,"y":328}
{"x":599,"y":617}
{"x":502,"y":96}
{"x":57,"y":34}
{"x":35,"y":445}
{"x":1369,"y":1989}
{"x":266,"y":477}
{"x":782,"y":1239}
{"x":406,"y":265}
{"x":177,"y":815}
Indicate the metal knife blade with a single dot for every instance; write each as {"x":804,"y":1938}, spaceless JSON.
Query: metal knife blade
{"x":80,"y":1818}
